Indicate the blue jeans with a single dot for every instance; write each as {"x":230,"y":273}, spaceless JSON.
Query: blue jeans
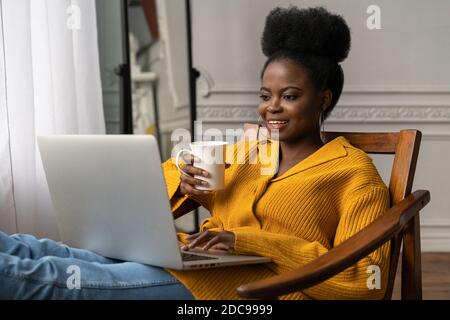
{"x":45,"y":269}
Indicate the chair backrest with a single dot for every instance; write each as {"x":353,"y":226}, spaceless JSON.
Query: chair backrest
{"x":405,"y":146}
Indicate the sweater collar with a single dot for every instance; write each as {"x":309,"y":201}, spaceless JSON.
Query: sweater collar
{"x":333,"y":149}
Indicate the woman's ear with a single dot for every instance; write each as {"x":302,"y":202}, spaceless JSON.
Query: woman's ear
{"x":326,"y":98}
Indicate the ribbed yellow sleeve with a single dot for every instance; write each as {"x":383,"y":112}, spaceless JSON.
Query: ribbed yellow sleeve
{"x":211,"y":223}
{"x":289,"y":252}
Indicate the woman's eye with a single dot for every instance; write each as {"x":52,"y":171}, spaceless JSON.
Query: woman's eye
{"x":264,"y":97}
{"x":290,"y":97}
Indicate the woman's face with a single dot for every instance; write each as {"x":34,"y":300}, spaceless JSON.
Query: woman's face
{"x":289,"y":101}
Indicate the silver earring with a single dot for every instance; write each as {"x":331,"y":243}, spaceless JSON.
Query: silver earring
{"x":322,"y":127}
{"x":260,"y":121}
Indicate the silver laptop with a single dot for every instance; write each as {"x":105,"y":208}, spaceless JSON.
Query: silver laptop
{"x":110,"y":197}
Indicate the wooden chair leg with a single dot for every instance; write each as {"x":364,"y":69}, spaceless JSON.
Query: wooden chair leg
{"x":411,"y":261}
{"x":396,"y":243}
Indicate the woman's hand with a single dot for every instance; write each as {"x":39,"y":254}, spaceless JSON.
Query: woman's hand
{"x":188,"y":182}
{"x":216,"y":240}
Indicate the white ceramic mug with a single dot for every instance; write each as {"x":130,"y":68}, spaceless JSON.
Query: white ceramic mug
{"x":210,"y":157}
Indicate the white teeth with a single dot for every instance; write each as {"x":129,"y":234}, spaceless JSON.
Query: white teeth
{"x":274,"y":121}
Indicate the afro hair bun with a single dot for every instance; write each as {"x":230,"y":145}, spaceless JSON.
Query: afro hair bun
{"x":312,"y":30}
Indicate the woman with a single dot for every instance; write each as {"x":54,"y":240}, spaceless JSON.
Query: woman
{"x":319,"y":196}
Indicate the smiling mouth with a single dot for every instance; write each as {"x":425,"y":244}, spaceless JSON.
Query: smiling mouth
{"x":277,"y":121}
{"x":276,"y":124}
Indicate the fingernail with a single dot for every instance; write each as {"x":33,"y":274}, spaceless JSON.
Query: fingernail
{"x":205,"y":174}
{"x":204,"y":183}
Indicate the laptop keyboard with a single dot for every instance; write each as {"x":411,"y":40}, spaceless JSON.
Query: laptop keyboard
{"x":195,"y":257}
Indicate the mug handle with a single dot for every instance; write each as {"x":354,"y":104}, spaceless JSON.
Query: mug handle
{"x":177,"y":159}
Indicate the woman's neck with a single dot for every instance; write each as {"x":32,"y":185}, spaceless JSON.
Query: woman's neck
{"x":293,"y":152}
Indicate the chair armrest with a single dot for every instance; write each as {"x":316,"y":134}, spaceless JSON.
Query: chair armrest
{"x":342,"y":256}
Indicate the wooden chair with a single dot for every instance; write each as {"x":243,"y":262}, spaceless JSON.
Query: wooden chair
{"x":399,"y":224}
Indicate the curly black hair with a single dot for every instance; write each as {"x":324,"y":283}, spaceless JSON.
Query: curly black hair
{"x":314,"y":38}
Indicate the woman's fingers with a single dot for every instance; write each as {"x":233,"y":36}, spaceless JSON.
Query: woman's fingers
{"x":190,"y":169}
{"x":195,"y":235}
{"x":188,"y":182}
{"x":186,"y":188}
{"x":187,"y":158}
{"x":191,"y":238}
{"x":208,"y":240}
{"x":210,"y":243}
{"x":190,"y":158}
{"x":200,"y":239}
{"x":221,"y":246}
{"x":193,"y":181}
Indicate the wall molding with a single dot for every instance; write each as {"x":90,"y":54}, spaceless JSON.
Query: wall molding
{"x":414,"y":104}
{"x":227,"y":113}
{"x":435,"y":245}
{"x":382,"y":113}
{"x":207,"y":87}
{"x":436,"y":222}
{"x":342,"y":113}
{"x":435,"y":238}
{"x":173,"y":124}
{"x":205,"y":83}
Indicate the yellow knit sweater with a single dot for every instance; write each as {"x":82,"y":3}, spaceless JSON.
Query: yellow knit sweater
{"x":294,"y":218}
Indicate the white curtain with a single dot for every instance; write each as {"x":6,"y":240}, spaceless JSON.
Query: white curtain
{"x":49,"y":83}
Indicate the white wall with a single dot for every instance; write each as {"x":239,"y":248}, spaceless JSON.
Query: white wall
{"x":396,"y":78}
